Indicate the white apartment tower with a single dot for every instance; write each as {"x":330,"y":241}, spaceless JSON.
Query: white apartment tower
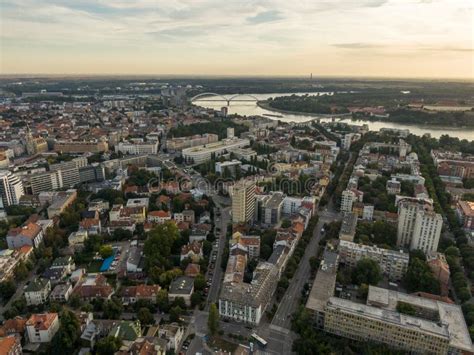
{"x":427,"y":231}
{"x":243,"y":201}
{"x":348,"y":197}
{"x":418,"y":226}
{"x":11,"y":189}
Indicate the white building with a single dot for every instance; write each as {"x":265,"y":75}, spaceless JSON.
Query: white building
{"x":137,"y":148}
{"x":418,"y":226}
{"x":37,"y":291}
{"x":201,"y":154}
{"x":11,"y":189}
{"x":243,"y":201}
{"x":41,"y":328}
{"x":427,"y":231}
{"x":394,"y":264}
{"x":348,"y":198}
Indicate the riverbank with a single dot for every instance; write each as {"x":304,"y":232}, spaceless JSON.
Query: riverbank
{"x":348,"y":116}
{"x":265,"y":105}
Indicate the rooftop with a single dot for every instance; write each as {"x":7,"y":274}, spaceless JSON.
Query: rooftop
{"x":182,"y":285}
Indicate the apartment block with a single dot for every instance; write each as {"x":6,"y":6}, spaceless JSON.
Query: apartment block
{"x":11,"y":189}
{"x":418,"y":226}
{"x":393,"y":264}
{"x":243,"y":201}
{"x":81,"y":147}
{"x":203,"y":153}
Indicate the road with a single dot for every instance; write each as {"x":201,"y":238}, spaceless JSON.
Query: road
{"x":20,"y":286}
{"x":220,"y":222}
{"x":278,"y":334}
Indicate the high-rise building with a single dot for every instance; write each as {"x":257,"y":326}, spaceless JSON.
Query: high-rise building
{"x":243,"y":201}
{"x":427,"y":231}
{"x":11,"y":189}
{"x":418,"y":226}
{"x":348,"y":197}
{"x":47,"y":181}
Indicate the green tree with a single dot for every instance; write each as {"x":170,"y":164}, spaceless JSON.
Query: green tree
{"x":21,"y":271}
{"x":367,"y":271}
{"x":105,"y":251}
{"x":175,"y":313}
{"x":158,"y":246}
{"x":162,"y":300}
{"x":108,"y":345}
{"x":196,"y":299}
{"x":145,"y":316}
{"x":7,"y":290}
{"x":112,"y":309}
{"x":213,"y":319}
{"x":199,"y":282}
{"x":419,"y":277}
{"x":68,"y":334}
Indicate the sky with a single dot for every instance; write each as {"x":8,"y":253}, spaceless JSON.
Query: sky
{"x":366,"y":38}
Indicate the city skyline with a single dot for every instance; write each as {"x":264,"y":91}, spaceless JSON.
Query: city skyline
{"x":372,"y":38}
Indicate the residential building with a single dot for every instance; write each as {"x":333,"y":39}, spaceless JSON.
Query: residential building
{"x":187,"y":142}
{"x":37,"y":291}
{"x":393,"y":186}
{"x":10,"y":345}
{"x":81,"y":147}
{"x":436,"y":328}
{"x":250,"y":243}
{"x":11,"y":189}
{"x":137,"y":147}
{"x":61,"y":293}
{"x":348,"y":197}
{"x":30,"y":234}
{"x":348,"y":227}
{"x":46,"y":181}
{"x":183,"y":287}
{"x":440,"y":268}
{"x":185,"y":216}
{"x":61,"y":201}
{"x":272,"y":209}
{"x":243,"y":201}
{"x":393,"y":264}
{"x":245,"y":302}
{"x":41,"y":328}
{"x":132,"y":294}
{"x":465,"y":213}
{"x":193,"y":251}
{"x":173,"y":333}
{"x":159,"y":216}
{"x":427,"y":231}
{"x":94,"y":286}
{"x":203,"y":153}
{"x":418,"y":226}
{"x":229,"y":167}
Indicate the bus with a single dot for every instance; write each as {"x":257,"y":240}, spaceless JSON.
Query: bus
{"x":259,"y":340}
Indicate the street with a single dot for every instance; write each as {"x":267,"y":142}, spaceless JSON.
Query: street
{"x":278,"y":334}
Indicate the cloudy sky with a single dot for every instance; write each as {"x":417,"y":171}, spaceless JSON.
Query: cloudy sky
{"x":395,"y":38}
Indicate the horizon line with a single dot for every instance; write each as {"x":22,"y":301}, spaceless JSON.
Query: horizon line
{"x":216,"y":76}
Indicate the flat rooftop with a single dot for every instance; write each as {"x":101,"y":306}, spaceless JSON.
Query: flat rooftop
{"x":450,"y":315}
{"x":324,"y":283}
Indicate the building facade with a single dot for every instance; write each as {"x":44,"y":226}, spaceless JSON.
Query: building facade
{"x":243,"y":201}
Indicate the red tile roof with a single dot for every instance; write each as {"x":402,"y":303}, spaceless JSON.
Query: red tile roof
{"x":42,"y":321}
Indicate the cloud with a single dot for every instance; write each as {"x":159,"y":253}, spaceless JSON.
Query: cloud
{"x":265,"y":16}
{"x":239,"y":33}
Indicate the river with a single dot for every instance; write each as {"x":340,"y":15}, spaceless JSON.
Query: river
{"x":252,"y":109}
